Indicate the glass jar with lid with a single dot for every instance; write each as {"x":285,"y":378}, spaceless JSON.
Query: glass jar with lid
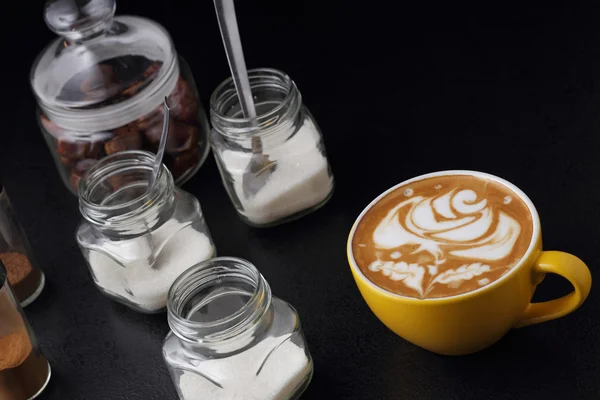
{"x":100,"y":88}
{"x":294,"y":177}
{"x":138,"y":239}
{"x":230,"y":338}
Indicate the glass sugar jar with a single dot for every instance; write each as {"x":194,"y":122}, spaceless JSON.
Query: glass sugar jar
{"x":295,"y":178}
{"x":229,"y":336}
{"x":137,"y":239}
{"x":100,"y":88}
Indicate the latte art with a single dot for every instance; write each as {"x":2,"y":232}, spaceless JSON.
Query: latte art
{"x":433,"y":224}
{"x":442,"y":236}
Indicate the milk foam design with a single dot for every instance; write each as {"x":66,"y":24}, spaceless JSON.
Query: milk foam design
{"x":456,"y":223}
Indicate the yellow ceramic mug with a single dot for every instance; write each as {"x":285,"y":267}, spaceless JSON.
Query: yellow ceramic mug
{"x":472,"y":321}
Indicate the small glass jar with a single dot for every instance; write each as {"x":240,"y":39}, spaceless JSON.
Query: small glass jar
{"x":231,"y":339}
{"x":100,"y":88}
{"x":284,"y":138}
{"x":137,"y":239}
{"x":26,"y":279}
{"x":24,"y":371}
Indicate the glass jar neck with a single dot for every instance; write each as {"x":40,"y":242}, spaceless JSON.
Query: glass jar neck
{"x":276,"y":98}
{"x":221,"y":304}
{"x":115,"y":197}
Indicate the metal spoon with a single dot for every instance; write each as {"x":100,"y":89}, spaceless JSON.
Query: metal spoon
{"x":260,"y":167}
{"x":161,"y":147}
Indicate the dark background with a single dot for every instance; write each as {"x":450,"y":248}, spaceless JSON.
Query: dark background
{"x":398,"y":91}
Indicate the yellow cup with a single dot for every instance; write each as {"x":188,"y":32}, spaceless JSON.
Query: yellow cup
{"x":472,"y":321}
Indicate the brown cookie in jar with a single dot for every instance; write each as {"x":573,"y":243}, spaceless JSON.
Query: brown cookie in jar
{"x":182,"y":136}
{"x":132,"y":90}
{"x":50,"y":126}
{"x":183,"y":103}
{"x":100,"y":84}
{"x":78,"y":171}
{"x":127,"y":137}
{"x":140,"y":83}
{"x":183,"y":106}
{"x":152,"y":69}
{"x":72,"y":150}
{"x":99,"y":78}
{"x":148,"y":121}
{"x":183,"y":162}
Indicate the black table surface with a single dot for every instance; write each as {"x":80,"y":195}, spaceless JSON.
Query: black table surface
{"x":510,"y":91}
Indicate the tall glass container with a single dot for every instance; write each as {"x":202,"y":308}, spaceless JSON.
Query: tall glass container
{"x":24,"y":371}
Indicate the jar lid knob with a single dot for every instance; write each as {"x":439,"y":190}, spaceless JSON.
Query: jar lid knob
{"x":78,"y":19}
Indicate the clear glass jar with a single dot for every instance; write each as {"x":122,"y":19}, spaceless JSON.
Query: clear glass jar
{"x":137,"y":240}
{"x":230,"y":339}
{"x":26,"y":279}
{"x":24,"y":371}
{"x":284,"y":137}
{"x":100,"y":88}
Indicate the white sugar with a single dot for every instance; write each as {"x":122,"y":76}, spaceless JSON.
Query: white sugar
{"x":300,"y":180}
{"x":285,"y":369}
{"x":135,"y":279}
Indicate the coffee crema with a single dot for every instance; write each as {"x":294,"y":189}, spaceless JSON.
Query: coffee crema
{"x":442,"y":236}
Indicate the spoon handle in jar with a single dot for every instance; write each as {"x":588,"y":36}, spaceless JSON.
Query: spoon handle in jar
{"x":161,"y":147}
{"x":235,"y":55}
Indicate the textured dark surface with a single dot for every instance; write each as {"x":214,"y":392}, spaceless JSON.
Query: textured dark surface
{"x":513,"y":92}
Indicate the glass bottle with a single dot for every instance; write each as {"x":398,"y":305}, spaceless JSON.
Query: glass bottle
{"x":26,"y":279}
{"x":137,"y":240}
{"x":296,"y":178}
{"x":100,"y":87}
{"x":229,"y":336}
{"x":24,"y":371}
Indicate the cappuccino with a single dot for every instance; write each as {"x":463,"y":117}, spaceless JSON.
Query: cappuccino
{"x":442,"y":236}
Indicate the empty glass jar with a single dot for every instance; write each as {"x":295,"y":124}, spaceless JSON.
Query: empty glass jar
{"x":274,"y":166}
{"x":100,"y":88}
{"x":230,"y":338}
{"x":138,"y":239}
{"x":24,"y":371}
{"x":26,"y":279}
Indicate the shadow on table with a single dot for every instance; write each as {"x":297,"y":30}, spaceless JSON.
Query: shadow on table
{"x":520,"y":365}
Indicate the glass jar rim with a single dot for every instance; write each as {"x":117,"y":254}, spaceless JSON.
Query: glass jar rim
{"x":96,"y":212}
{"x":203,"y":274}
{"x":262,"y":122}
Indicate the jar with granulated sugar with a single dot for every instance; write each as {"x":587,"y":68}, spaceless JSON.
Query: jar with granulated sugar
{"x":138,"y":238}
{"x":293,"y":177}
{"x":231,"y":339}
{"x":26,"y":278}
{"x":100,"y":87}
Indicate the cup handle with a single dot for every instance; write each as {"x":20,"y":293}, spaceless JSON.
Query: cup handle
{"x":569,"y":267}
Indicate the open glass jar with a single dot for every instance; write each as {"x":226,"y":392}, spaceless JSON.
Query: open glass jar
{"x":230,"y":338}
{"x":137,"y":239}
{"x":100,"y":88}
{"x":296,"y":178}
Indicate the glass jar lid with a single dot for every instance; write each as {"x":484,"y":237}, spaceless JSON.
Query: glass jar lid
{"x":103,"y":71}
